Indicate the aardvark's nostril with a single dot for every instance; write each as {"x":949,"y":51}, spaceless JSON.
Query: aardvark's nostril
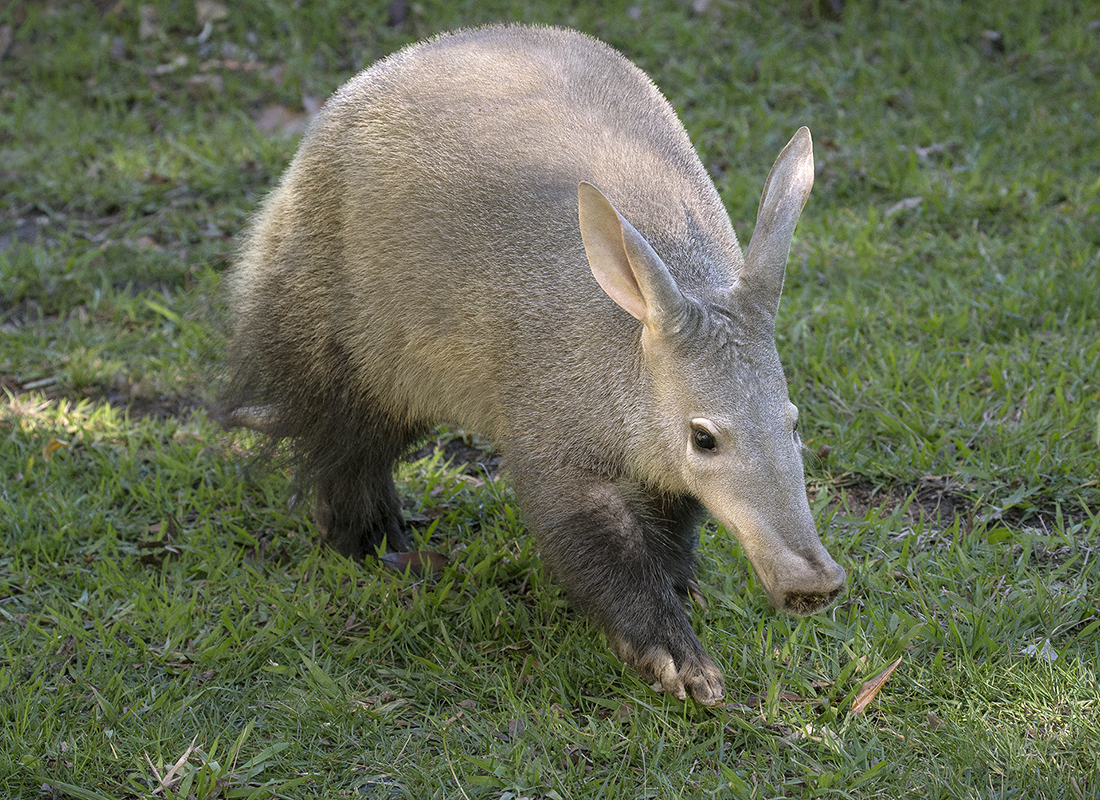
{"x":802,"y":604}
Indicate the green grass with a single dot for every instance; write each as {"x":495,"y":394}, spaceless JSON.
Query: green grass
{"x":169,"y":629}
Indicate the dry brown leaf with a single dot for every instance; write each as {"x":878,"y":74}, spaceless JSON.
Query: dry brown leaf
{"x":417,"y":562}
{"x":870,"y":689}
{"x":51,"y":447}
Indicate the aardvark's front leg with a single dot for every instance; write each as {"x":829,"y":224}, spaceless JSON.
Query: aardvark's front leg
{"x":625,"y":558}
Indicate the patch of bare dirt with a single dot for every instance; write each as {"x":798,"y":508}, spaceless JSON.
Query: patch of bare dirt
{"x":474,"y":454}
{"x":936,"y":502}
{"x":933,"y":498}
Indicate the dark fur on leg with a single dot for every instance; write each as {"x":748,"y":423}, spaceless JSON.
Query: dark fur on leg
{"x":681,"y":517}
{"x":625,"y":558}
{"x":360,"y":513}
{"x":340,"y":440}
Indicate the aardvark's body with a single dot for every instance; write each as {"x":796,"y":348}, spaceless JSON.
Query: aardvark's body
{"x":507,"y":229}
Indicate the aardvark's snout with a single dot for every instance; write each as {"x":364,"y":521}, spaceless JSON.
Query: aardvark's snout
{"x":810,"y":588}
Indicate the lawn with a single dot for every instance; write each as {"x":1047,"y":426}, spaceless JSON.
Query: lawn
{"x":168,"y":627}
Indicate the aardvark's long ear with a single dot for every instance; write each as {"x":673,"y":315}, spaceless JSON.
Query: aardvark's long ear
{"x":785,"y":193}
{"x":623,"y":263}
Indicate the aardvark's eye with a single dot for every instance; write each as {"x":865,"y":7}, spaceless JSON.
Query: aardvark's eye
{"x":703,"y":439}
